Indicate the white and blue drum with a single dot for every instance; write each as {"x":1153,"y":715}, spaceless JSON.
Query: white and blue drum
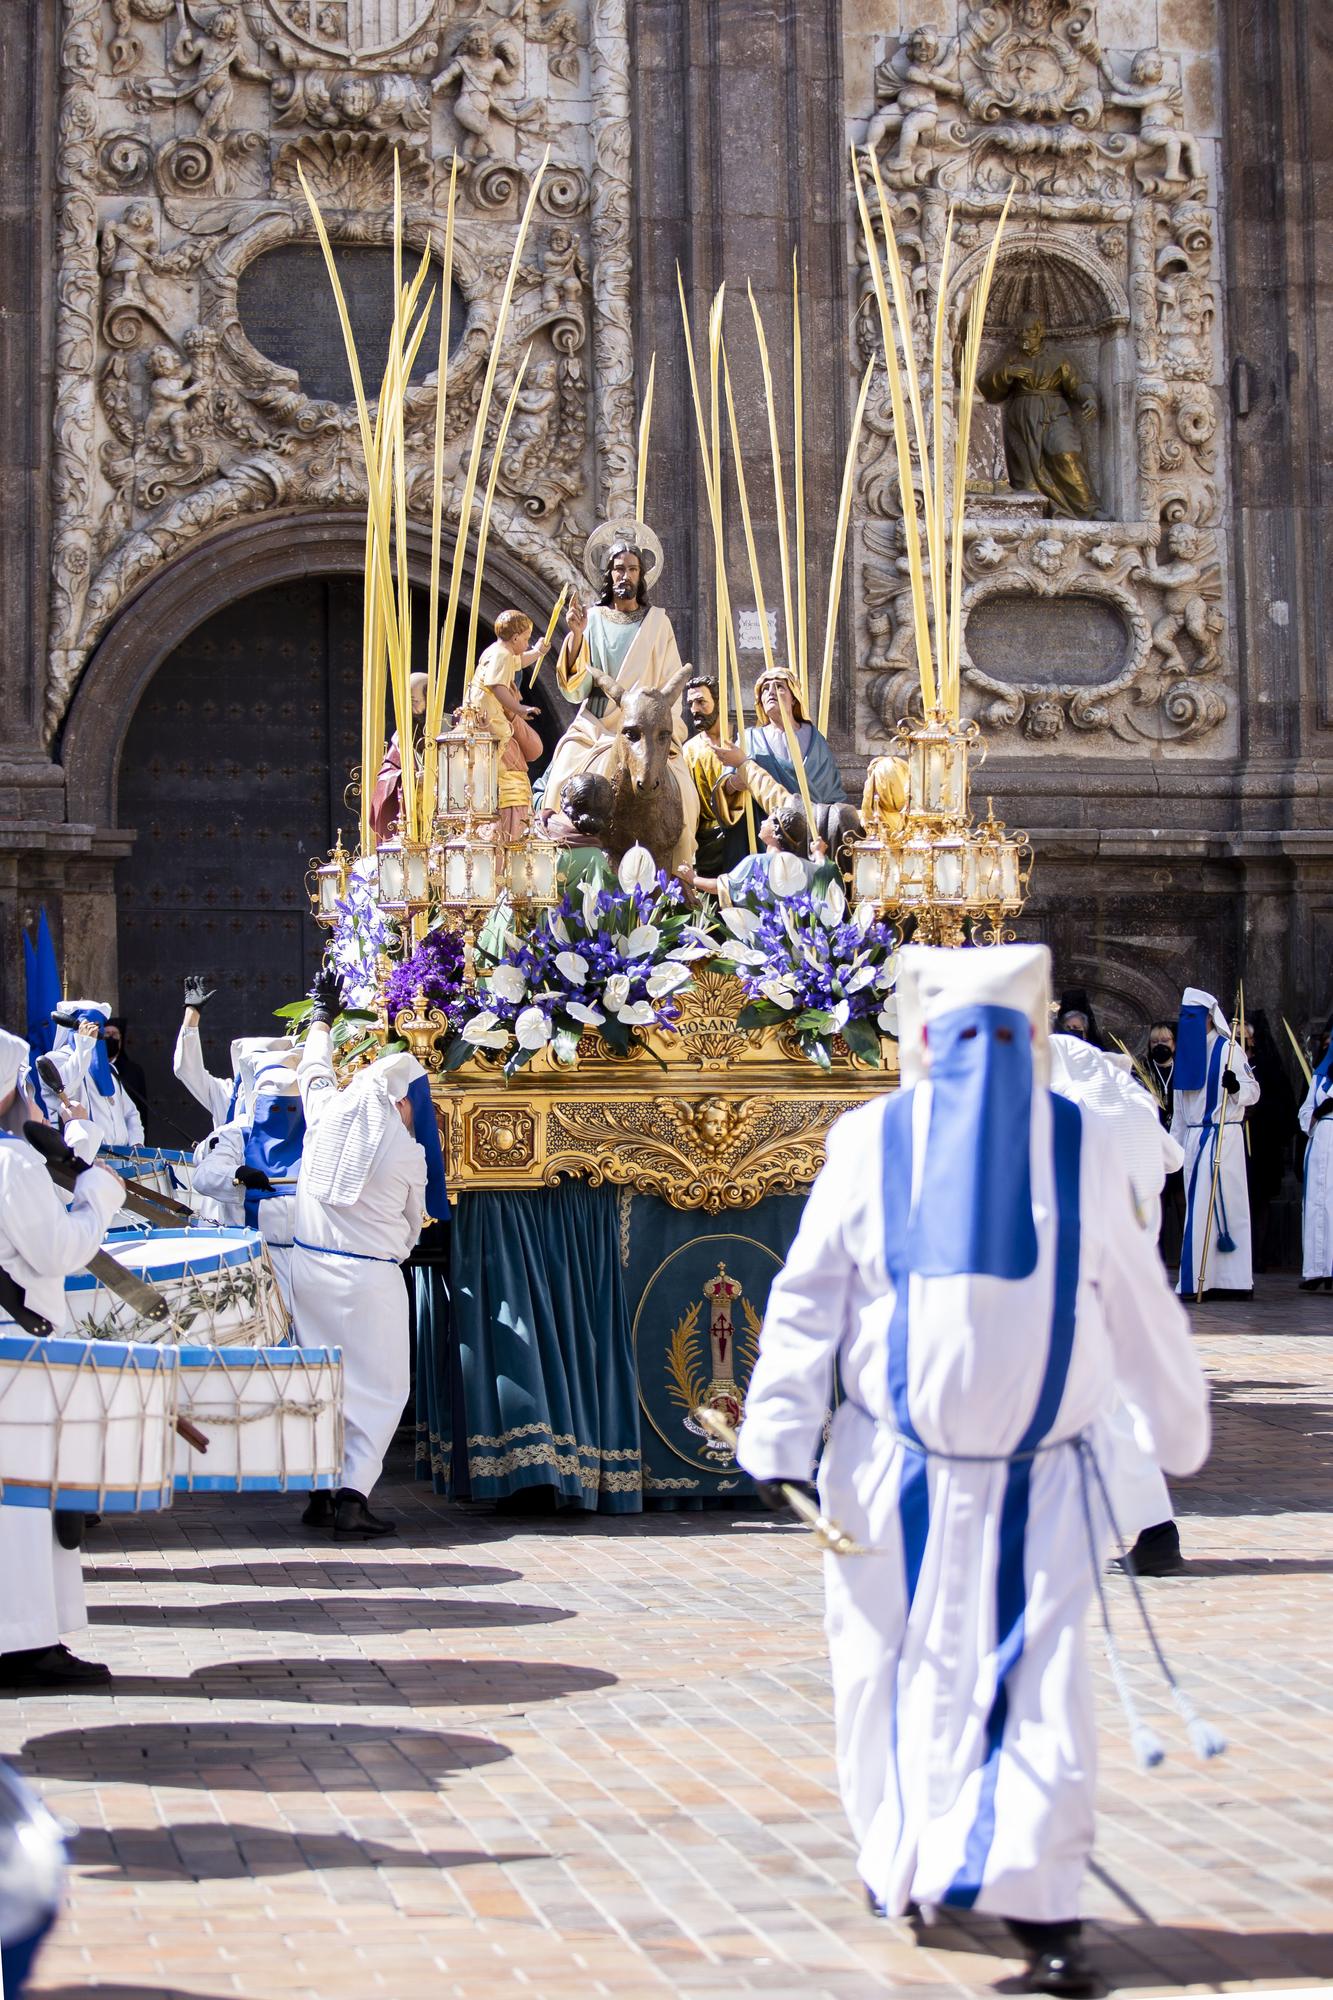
{"x":218,"y":1284}
{"x":86,"y":1426}
{"x":273,"y":1417}
{"x":156,"y":1169}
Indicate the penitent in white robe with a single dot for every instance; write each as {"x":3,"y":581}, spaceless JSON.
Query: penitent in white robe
{"x":1317,"y":1205}
{"x":1195,"y":1122}
{"x":116,"y":1117}
{"x":217,"y":1160}
{"x":962,"y":1694}
{"x":649,"y":660}
{"x":41,"y":1243}
{"x":347,"y":1289}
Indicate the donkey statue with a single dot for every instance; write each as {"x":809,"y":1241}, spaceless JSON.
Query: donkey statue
{"x":647,"y":811}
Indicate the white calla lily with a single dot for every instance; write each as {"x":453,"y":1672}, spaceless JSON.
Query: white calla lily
{"x":615,"y":993}
{"x":787,"y":874}
{"x":861,"y":977}
{"x":532,"y":1030}
{"x":508,"y":983}
{"x":642,"y":940}
{"x":779,"y":991}
{"x":559,"y":930}
{"x":842,"y":1013}
{"x":863,"y":916}
{"x":741,"y":923}
{"x":637,"y":870}
{"x":638,"y":1014}
{"x":887,"y":1018}
{"x":668,"y":979}
{"x":483,"y":1031}
{"x":573,"y":966}
{"x":591,"y":1017}
{"x":834,"y":907}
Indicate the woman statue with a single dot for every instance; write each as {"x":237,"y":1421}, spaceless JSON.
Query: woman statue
{"x":1043,"y":451}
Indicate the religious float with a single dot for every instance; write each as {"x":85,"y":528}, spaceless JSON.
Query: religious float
{"x":634,"y":1082}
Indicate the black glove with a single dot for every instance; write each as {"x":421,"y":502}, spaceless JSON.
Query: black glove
{"x":771,"y":1493}
{"x":1230,"y":1082}
{"x":255,"y":1179}
{"x":327,"y":994}
{"x":197,"y":991}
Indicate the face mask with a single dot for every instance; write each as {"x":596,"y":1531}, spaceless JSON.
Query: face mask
{"x":1161,"y":1055}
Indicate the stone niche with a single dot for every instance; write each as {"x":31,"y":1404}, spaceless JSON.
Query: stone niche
{"x":1095,"y":592}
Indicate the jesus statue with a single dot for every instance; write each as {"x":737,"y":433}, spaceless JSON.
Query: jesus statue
{"x":631,"y":642}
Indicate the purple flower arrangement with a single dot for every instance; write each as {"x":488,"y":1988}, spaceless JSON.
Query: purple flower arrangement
{"x":435,"y":969}
{"x":807,"y":961}
{"x":609,"y":960}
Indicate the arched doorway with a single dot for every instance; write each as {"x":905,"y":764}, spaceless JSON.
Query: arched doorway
{"x":222,"y":724}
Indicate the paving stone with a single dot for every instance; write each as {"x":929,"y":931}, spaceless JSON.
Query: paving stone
{"x":595,"y":1758}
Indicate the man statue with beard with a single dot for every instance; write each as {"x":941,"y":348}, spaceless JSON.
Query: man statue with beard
{"x":630,"y":641}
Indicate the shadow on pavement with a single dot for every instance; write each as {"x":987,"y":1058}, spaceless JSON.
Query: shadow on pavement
{"x":210,"y":1850}
{"x":334,"y":1572}
{"x":259,"y":1756}
{"x":338,"y":1616}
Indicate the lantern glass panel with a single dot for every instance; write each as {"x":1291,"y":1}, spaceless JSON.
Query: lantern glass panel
{"x":416,"y":879}
{"x":912,"y":884}
{"x":456,"y":872}
{"x":1009,"y":872}
{"x":330,"y":889}
{"x":389,"y":859}
{"x":949,"y":870}
{"x":485,"y":874}
{"x":868,"y":872}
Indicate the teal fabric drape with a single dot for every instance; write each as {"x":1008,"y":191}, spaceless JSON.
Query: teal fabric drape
{"x":543,"y":1353}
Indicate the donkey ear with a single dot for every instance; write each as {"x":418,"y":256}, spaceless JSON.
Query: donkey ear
{"x":610,"y":690}
{"x":671,"y":690}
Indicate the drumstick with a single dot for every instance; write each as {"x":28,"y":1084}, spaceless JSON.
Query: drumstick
{"x":827,"y":1533}
{"x":194,"y":1437}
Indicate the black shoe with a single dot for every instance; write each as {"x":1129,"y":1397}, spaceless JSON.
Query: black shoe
{"x":318,"y":1511}
{"x":1065,"y":1970}
{"x":353,"y":1520}
{"x":69,"y":1527}
{"x":1157,"y":1551}
{"x":40,"y":1667}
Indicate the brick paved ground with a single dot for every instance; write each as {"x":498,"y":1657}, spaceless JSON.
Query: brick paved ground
{"x":594,"y":1759}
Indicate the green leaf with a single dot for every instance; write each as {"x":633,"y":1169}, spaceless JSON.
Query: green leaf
{"x":517,"y":1061}
{"x":756,"y":1014}
{"x":862,"y":1038}
{"x":294,"y":1010}
{"x":817,"y":1051}
{"x":616,"y":1033}
{"x":815,"y":1021}
{"x":457,"y":1052}
{"x":566,"y":1045}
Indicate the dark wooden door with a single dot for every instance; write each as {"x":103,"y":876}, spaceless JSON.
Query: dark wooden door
{"x":234,"y":773}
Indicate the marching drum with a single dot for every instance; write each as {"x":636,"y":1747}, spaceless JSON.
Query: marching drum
{"x":218,"y":1283}
{"x":156,"y":1169}
{"x":273,"y":1417}
{"x":87,"y":1427}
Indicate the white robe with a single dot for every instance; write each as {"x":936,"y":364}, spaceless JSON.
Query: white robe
{"x":217,"y":1159}
{"x":967,"y":1775}
{"x":588,"y":744}
{"x":1317,"y":1204}
{"x":217,"y":1094}
{"x":41,"y":1243}
{"x":116,"y":1117}
{"x":1226,"y":1270}
{"x":347,"y":1289}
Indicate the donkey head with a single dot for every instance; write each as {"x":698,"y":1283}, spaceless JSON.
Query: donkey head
{"x":647,"y":728}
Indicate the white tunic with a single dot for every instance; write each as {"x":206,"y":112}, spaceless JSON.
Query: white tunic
{"x":1317,"y":1206}
{"x":217,"y":1159}
{"x":41,"y":1243}
{"x":963,"y":1705}
{"x":347,"y":1289}
{"x":1193,"y":1125}
{"x":216,"y":1094}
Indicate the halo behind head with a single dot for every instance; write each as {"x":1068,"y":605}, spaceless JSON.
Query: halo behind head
{"x":603,"y":542}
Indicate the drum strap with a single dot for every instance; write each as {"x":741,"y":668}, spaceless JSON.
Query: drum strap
{"x":14,"y":1301}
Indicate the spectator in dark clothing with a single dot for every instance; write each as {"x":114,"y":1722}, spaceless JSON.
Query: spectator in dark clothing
{"x":128,"y":1072}
{"x":1270,"y":1129}
{"x":1161,"y":1064}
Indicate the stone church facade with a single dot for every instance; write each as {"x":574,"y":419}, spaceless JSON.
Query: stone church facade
{"x":184,"y":497}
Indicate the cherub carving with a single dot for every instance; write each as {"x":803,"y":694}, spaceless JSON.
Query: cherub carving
{"x":1191,"y":587}
{"x":215,"y":56}
{"x":563,"y":274}
{"x":1157,"y":98}
{"x":171,"y":391}
{"x":911,"y":82}
{"x":483,"y":70}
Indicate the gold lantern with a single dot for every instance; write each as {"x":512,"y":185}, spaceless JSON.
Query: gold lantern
{"x":469,"y":769}
{"x":326,"y":883}
{"x":402,"y":870}
{"x":534,"y":871}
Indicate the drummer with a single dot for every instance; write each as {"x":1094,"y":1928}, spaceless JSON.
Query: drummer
{"x":248,"y":1167}
{"x":41,"y":1584}
{"x":221,"y":1097}
{"x":360,"y":1204}
{"x":80,"y":1055}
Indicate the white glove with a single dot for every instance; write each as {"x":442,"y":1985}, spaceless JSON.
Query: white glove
{"x":82,"y":1137}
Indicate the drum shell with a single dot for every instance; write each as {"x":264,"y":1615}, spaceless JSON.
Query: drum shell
{"x":89,"y":1426}
{"x":273,"y":1418}
{"x":156,"y":1169}
{"x":219,"y":1286}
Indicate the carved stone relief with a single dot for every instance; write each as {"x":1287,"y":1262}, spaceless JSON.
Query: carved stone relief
{"x":1085,"y":629}
{"x":182,"y":125}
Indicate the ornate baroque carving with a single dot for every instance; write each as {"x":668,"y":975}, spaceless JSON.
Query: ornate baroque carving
{"x":1110,"y":242}
{"x":180,"y":133}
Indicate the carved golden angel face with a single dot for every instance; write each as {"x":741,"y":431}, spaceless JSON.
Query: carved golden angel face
{"x":714,"y":1121}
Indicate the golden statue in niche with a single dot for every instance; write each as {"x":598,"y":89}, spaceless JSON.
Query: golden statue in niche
{"x":1043,"y":450}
